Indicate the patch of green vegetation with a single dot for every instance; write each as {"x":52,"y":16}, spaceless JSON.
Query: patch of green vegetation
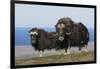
{"x":74,"y":57}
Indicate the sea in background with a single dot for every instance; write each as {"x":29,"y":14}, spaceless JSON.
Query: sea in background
{"x":22,"y":35}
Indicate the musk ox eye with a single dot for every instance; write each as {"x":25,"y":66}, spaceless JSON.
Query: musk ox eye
{"x":34,"y":33}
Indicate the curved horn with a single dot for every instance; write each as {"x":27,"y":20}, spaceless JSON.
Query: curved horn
{"x":33,"y":33}
{"x":68,"y":33}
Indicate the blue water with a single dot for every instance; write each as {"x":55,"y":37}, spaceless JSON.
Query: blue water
{"x":22,"y":36}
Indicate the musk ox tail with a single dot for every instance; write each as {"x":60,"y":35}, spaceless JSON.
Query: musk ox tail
{"x":85,"y":33}
{"x":87,"y":36}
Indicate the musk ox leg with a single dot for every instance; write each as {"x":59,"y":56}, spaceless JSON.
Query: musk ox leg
{"x":69,"y":45}
{"x":67,"y":51}
{"x":85,"y":48}
{"x":80,"y":45}
{"x":40,"y":53}
{"x":80,"y":48}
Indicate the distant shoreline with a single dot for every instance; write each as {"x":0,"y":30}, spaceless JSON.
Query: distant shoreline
{"x":30,"y":44}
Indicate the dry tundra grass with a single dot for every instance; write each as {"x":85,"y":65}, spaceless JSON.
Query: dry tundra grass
{"x":74,"y":57}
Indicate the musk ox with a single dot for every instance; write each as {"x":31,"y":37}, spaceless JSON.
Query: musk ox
{"x":76,"y":33}
{"x":42,"y":40}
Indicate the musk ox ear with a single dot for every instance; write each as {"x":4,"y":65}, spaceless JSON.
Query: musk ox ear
{"x":56,"y":26}
{"x":28,"y":31}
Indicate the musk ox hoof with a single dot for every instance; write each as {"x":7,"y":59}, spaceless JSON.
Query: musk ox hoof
{"x":80,"y":51}
{"x":85,"y":50}
{"x":66,"y":53}
{"x":40,"y":55}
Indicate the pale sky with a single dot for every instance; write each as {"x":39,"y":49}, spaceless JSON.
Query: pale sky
{"x":43,"y":16}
